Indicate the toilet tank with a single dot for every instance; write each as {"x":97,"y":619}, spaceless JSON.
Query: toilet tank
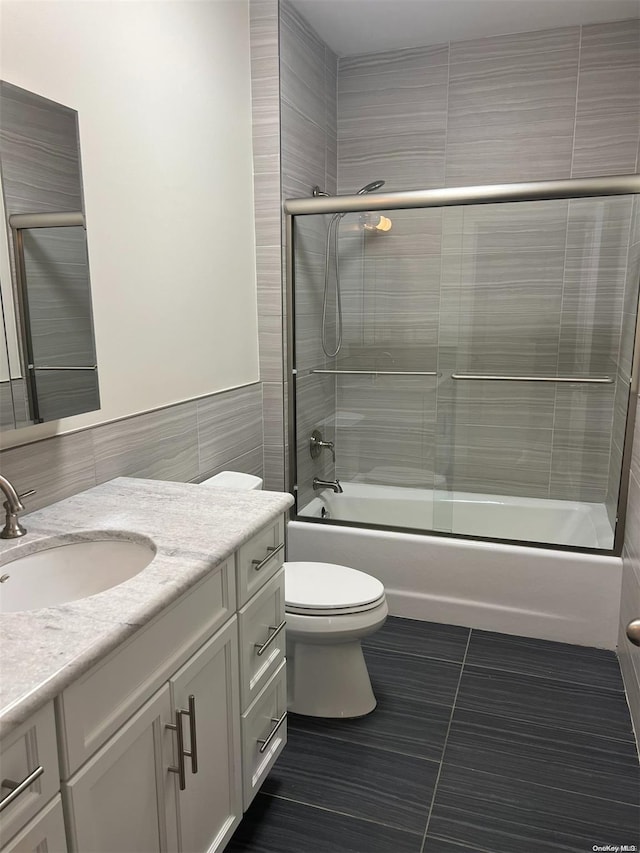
{"x":234,"y":481}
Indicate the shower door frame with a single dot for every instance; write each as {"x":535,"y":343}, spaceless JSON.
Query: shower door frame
{"x":571,"y":188}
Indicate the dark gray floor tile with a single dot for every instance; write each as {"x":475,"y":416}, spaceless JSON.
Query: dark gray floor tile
{"x":399,"y":724}
{"x":546,"y":659}
{"x":426,"y":639}
{"x":545,"y":701}
{"x":272,"y":825}
{"x":558,"y":758}
{"x":433,"y":844}
{"x":360,"y":781}
{"x":409,"y":677}
{"x":494,"y":813}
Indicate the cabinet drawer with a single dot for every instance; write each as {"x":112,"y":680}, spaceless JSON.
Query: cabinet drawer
{"x":259,"y":559}
{"x":96,"y":705}
{"x":23,"y":751}
{"x":262,"y":645}
{"x":44,"y":833}
{"x":262,"y":739}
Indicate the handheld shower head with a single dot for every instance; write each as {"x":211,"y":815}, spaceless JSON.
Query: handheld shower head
{"x":370,"y":188}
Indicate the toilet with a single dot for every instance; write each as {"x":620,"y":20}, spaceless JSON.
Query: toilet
{"x":329,"y":610}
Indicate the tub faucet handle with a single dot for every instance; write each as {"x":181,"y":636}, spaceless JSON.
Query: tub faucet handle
{"x":316,"y":444}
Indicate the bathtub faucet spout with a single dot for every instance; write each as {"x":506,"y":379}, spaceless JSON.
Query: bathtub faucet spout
{"x":334,"y":485}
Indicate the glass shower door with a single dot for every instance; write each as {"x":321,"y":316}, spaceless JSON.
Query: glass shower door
{"x":538,"y":305}
{"x":473,"y":376}
{"x":375,"y":398}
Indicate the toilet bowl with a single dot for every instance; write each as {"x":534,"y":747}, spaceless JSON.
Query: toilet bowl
{"x":329,"y":610}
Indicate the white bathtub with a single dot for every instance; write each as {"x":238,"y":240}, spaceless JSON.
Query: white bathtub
{"x":583,"y":525}
{"x":536,"y":592}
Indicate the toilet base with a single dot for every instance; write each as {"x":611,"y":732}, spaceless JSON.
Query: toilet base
{"x":328,"y":680}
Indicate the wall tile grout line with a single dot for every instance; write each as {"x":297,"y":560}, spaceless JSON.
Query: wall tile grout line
{"x":444,"y":745}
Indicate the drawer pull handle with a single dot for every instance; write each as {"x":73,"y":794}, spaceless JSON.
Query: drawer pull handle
{"x":193,"y":754}
{"x":264,"y":744}
{"x":259,"y":564}
{"x":18,"y":787}
{"x":262,"y":648}
{"x":182,"y":752}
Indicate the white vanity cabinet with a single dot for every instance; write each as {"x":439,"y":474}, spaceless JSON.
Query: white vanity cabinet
{"x":206,"y":688}
{"x":123,"y":797}
{"x":163,"y":743}
{"x":145,"y":775}
{"x":44,"y":834}
{"x":30,"y":808}
{"x":261,"y":622}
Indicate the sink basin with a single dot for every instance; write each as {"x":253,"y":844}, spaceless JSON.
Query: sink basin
{"x":69,"y":571}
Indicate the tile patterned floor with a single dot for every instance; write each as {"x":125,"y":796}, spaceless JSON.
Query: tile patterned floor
{"x":481,"y":743}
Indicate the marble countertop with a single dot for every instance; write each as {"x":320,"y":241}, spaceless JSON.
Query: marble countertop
{"x":193,"y":529}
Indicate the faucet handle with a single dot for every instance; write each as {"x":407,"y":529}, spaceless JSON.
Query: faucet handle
{"x":26,"y":494}
{"x":316,"y":443}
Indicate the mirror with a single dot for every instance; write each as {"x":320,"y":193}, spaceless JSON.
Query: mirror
{"x":48,"y":367}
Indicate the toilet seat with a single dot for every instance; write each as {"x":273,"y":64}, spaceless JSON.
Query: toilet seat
{"x":327,"y":589}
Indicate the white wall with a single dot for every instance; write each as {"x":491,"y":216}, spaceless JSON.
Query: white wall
{"x":163,"y":95}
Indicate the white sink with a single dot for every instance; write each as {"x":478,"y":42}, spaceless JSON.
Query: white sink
{"x":69,"y":571}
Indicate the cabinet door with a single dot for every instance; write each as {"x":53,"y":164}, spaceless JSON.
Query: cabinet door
{"x":210,"y":806}
{"x":122,"y":801}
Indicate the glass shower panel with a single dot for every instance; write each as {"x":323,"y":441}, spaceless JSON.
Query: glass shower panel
{"x":375,"y":398}
{"x":472,"y":375}
{"x":531,"y":349}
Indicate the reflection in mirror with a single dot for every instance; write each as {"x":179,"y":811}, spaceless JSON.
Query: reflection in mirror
{"x":48,"y":362}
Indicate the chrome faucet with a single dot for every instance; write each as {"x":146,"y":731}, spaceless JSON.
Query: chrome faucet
{"x":13,"y":506}
{"x":334,"y":485}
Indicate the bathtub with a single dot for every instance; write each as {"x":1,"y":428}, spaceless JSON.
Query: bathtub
{"x":546,"y":593}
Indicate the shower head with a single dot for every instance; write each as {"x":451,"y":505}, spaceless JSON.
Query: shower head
{"x":370,"y":188}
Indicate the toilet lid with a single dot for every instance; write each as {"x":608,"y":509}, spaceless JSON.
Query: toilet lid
{"x":326,"y":588}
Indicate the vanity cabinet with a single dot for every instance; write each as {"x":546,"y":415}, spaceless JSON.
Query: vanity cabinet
{"x":143,"y":777}
{"x":261,"y":621}
{"x":123,"y":797}
{"x":44,"y":834}
{"x":163,"y":743}
{"x":29,"y":752}
{"x":210,"y":806}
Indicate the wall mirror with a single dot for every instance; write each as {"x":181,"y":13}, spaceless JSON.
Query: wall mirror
{"x":48,"y":367}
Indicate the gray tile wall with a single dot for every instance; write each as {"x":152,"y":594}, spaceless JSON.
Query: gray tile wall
{"x":186,"y":442}
{"x":538,"y":288}
{"x":265,"y":96}
{"x":628,"y":654}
